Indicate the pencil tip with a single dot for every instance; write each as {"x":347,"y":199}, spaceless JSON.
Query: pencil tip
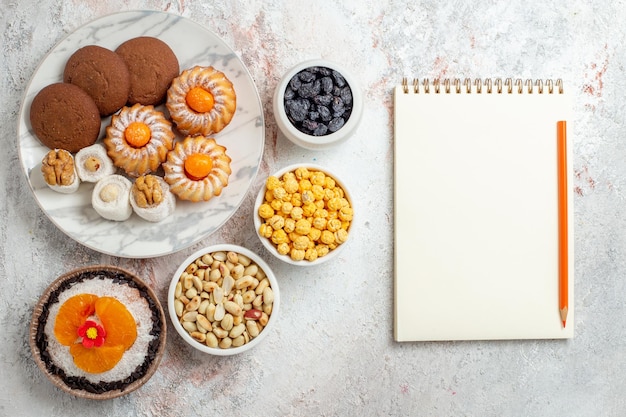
{"x":564,"y":315}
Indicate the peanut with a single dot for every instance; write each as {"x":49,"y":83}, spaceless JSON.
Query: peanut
{"x":223,"y":299}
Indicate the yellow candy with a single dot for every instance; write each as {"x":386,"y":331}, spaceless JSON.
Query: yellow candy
{"x":283,"y":248}
{"x":297,"y":254}
{"x":286,"y":208}
{"x":322,"y":250}
{"x":266,"y":230}
{"x":304,"y":185}
{"x":328,"y":194}
{"x":308,"y":197}
{"x":265,"y":211}
{"x":308,"y":209}
{"x":310,"y":254}
{"x":341,"y":236}
{"x":303,"y":227}
{"x":319,"y":223}
{"x":345,"y":213}
{"x":302,"y":242}
{"x":276,"y":204}
{"x":333,"y":225}
{"x":334,"y":204}
{"x":291,"y":186}
{"x":296,"y":199}
{"x":279,"y":236}
{"x":315,"y":234}
{"x":321,"y":212}
{"x":302,"y":173}
{"x":290,"y":225}
{"x":296,"y":213}
{"x":272,"y":183}
{"x":318,"y":192}
{"x":289,"y":176}
{"x":318,"y":178}
{"x":279,"y":193}
{"x":276,"y":221}
{"x":327,"y":237}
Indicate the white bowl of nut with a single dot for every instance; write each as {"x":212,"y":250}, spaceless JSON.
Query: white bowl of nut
{"x":317,"y":104}
{"x":223,"y":299}
{"x":303,"y":214}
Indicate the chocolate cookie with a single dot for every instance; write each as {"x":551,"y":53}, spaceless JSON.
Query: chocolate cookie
{"x":64,"y":116}
{"x":152,"y":65}
{"x":103,"y":74}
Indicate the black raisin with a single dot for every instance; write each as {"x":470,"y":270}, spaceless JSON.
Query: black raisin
{"x":289,"y":93}
{"x":336,"y":124}
{"x":339,"y":80}
{"x":309,"y":90}
{"x":297,"y":109}
{"x":306,"y":76}
{"x":346,"y":95}
{"x":324,"y":113}
{"x":338,"y":106}
{"x":321,"y":130}
{"x":327,"y":84}
{"x":324,"y":71}
{"x":323,"y":100}
{"x":295,"y":83}
{"x":309,"y":124}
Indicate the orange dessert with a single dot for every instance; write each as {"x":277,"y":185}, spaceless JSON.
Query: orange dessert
{"x":201,"y":101}
{"x":138,"y":139}
{"x":98,"y":332}
{"x":197,"y":169}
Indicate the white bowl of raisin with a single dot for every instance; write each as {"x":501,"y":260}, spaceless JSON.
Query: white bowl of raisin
{"x":317,"y":104}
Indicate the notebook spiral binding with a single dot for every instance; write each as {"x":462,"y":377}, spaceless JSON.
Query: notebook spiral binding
{"x":478,"y":86}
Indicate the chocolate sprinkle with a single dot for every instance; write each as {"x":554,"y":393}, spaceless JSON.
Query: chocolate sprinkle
{"x":81,"y":383}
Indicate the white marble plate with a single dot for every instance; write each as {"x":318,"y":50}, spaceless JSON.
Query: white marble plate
{"x":244,"y":139}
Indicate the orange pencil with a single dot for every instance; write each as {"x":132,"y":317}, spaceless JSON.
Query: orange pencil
{"x":563,"y":237}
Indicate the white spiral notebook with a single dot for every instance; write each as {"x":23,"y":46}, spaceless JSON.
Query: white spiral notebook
{"x":476,"y":211}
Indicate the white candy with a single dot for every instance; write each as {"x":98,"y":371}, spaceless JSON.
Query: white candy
{"x":92,"y":163}
{"x":111,"y":198}
{"x":156,"y":212}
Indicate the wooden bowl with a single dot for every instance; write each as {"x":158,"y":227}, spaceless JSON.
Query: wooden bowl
{"x":84,"y":386}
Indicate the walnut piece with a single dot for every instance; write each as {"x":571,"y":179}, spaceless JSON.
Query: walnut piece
{"x":58,"y":167}
{"x":147,"y":191}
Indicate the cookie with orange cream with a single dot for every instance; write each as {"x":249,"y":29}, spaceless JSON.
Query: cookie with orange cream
{"x":201,"y":101}
{"x":138,"y":139}
{"x":197,"y":169}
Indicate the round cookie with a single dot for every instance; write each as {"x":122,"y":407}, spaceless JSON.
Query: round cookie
{"x":103,"y":74}
{"x":64,"y":116}
{"x":152,"y":65}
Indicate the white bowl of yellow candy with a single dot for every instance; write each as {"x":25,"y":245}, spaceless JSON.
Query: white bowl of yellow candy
{"x":303,"y":214}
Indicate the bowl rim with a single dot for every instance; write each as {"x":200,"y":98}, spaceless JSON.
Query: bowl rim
{"x":38,"y":310}
{"x":224,"y":247}
{"x":325,"y":141}
{"x":257,"y":220}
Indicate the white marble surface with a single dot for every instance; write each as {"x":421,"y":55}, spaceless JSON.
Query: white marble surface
{"x":332,"y":353}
